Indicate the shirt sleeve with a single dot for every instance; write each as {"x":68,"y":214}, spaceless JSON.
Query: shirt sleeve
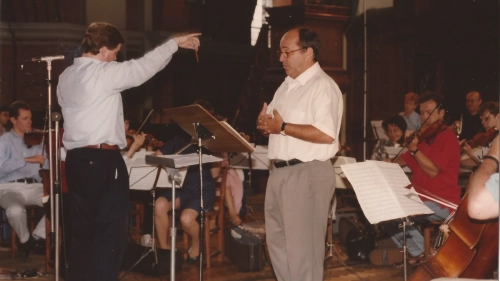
{"x":8,"y":164}
{"x":325,"y":105}
{"x":492,"y":186}
{"x":119,"y":76}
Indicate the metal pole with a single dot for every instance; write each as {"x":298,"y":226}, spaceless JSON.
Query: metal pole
{"x":202,"y":210}
{"x":57,"y":193}
{"x":365,"y":82}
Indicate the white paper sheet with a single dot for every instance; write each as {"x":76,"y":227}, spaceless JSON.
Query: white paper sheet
{"x":380,"y":189}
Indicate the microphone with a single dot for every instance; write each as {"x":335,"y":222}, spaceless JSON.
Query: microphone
{"x":47,"y":58}
{"x":56,"y":116}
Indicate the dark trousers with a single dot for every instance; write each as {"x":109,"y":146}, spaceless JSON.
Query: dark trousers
{"x":98,"y":197}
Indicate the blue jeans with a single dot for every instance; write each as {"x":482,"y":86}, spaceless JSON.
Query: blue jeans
{"x":414,"y":239}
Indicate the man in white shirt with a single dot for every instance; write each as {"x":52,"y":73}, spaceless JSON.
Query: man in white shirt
{"x":303,"y":123}
{"x":89,"y":95}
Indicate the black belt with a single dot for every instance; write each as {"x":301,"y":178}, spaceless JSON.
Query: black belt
{"x":281,"y":164}
{"x":103,"y":146}
{"x":26,"y":180}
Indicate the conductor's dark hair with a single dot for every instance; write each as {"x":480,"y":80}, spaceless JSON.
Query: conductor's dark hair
{"x":101,"y":34}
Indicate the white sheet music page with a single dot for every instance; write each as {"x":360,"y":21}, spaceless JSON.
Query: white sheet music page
{"x":396,"y":178}
{"x":142,"y":176}
{"x":185,"y":160}
{"x":380,"y":189}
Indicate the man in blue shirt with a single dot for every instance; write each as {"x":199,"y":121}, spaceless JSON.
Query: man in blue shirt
{"x":20,"y":181}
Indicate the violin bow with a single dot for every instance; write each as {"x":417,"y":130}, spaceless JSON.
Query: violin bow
{"x":414,"y":134}
{"x":146,"y":119}
{"x":434,"y":197}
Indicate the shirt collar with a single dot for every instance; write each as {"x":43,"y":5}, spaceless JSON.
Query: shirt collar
{"x":82,"y":60}
{"x":304,"y":76}
{"x":14,"y":134}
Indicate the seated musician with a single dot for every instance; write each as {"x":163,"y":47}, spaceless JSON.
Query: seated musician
{"x":411,"y":117}
{"x":20,"y":179}
{"x":4,"y":119}
{"x":483,"y":194}
{"x":395,"y":128}
{"x":483,"y":187}
{"x":435,"y":163}
{"x":187,"y":199}
{"x":490,"y":119}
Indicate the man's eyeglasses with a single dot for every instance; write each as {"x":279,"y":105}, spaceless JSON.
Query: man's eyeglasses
{"x":286,"y":54}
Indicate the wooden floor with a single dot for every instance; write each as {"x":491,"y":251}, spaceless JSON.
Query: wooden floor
{"x":338,"y":267}
{"x":226,"y":271}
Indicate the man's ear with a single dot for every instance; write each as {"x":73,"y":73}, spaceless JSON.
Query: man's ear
{"x":103,"y":51}
{"x":310,"y":51}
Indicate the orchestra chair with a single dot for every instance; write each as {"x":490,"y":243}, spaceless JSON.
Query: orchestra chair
{"x":428,"y":228}
{"x":46,"y":191}
{"x":217,"y":215}
{"x":137,"y":212}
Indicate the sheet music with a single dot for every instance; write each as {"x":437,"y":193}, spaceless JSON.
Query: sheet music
{"x":380,"y":189}
{"x":142,"y":176}
{"x":230,"y":128}
{"x":181,"y":160}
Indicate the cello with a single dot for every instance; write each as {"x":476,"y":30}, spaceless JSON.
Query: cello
{"x":471,"y":250}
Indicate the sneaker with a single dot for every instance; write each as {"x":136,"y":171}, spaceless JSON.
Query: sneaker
{"x":386,"y":256}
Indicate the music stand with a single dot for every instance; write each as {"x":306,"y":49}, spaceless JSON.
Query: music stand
{"x":210,"y":133}
{"x":148,"y":176}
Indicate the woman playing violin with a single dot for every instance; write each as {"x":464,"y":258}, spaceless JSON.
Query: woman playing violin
{"x":490,"y":118}
{"x":395,"y":128}
{"x":434,"y":158}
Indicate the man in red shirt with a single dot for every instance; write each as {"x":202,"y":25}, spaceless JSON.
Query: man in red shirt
{"x":435,"y":164}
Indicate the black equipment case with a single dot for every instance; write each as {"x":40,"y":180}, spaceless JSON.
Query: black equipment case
{"x":247,"y":252}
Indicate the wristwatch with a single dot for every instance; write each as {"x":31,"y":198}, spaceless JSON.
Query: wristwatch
{"x":412,"y":153}
{"x":282,"y":131}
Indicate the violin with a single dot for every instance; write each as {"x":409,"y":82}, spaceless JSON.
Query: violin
{"x":149,"y":140}
{"x":427,"y":132}
{"x":483,"y":138}
{"x":34,"y":137}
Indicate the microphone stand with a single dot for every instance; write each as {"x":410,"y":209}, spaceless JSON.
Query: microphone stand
{"x":54,"y":207}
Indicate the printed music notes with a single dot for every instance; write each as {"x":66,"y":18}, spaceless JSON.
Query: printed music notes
{"x":380,"y":189}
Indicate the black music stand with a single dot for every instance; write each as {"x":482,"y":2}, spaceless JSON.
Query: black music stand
{"x":210,"y":133}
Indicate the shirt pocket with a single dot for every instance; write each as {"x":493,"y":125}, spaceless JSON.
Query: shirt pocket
{"x":295,"y":116}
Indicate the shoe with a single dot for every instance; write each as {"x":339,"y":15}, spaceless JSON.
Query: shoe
{"x":38,"y":247}
{"x":191,"y":260}
{"x":386,"y":256}
{"x":25,"y":248}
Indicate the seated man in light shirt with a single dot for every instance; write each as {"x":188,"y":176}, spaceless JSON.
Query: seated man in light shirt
{"x":20,"y":181}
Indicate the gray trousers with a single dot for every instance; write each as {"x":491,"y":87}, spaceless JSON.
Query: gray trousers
{"x":296,"y":212}
{"x":14,"y":197}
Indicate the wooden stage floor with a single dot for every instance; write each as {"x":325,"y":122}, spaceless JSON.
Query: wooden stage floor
{"x":225,"y":271}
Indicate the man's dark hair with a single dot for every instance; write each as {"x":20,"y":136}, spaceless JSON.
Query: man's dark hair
{"x":435,"y":96}
{"x":309,"y":38}
{"x":491,"y":106}
{"x":101,"y":34}
{"x":15,"y":106}
{"x":4,"y":108}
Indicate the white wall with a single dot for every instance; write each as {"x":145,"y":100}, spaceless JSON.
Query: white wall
{"x":373,"y":4}
{"x":111,"y":11}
